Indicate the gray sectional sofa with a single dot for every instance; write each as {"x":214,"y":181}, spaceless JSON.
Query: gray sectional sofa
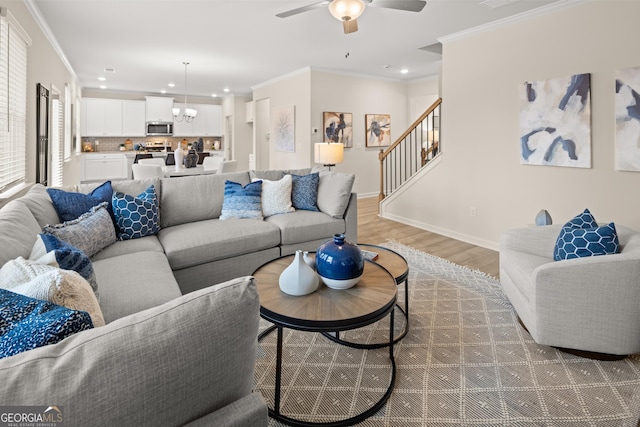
{"x":175,"y":349}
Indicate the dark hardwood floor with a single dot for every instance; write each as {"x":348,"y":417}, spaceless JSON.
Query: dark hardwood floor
{"x":373,"y":229}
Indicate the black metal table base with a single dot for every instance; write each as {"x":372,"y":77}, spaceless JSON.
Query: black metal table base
{"x":336,"y":335}
{"x":275,"y":411}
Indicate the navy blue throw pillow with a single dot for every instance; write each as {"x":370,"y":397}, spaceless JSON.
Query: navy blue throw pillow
{"x":304,"y":192}
{"x":70,"y":205}
{"x":28,"y":323}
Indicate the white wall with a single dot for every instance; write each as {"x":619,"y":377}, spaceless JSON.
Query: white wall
{"x":480,"y":166}
{"x":43,"y":66}
{"x":287,"y":91}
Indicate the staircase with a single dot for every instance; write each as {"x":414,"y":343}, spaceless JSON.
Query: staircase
{"x":419,"y":144}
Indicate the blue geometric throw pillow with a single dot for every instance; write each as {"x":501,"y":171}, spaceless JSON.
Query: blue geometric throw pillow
{"x":584,"y":242}
{"x":27,"y":323}
{"x":304,"y":192}
{"x":584,"y":220}
{"x":50,"y":250}
{"x":242,"y":202}
{"x":70,"y":205}
{"x":136,"y":216}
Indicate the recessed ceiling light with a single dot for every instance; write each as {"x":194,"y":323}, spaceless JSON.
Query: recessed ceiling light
{"x":214,"y":95}
{"x":404,"y":71}
{"x":163,"y":91}
{"x":226,"y":89}
{"x":171,"y":85}
{"x":103,"y":86}
{"x":101,"y":78}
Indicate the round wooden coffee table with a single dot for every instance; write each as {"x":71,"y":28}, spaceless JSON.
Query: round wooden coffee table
{"x":326,"y":310}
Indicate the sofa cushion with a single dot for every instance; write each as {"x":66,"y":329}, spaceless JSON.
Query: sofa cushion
{"x":128,"y":186}
{"x":70,"y":205}
{"x":91,"y":232}
{"x":271,"y":175}
{"x":196,"y":243}
{"x":584,"y":242}
{"x":49,"y":283}
{"x":136,"y":216}
{"x":18,"y":231}
{"x":29,"y":323}
{"x":39,"y":203}
{"x":304,"y":191}
{"x":242,"y":202}
{"x":149,"y":282}
{"x":305,"y":226}
{"x":124,"y":247}
{"x":50,"y":250}
{"x":276,"y":196}
{"x":334,"y":191}
{"x":194,"y":198}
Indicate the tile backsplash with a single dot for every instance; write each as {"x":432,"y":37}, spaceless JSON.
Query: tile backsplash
{"x":113,"y":143}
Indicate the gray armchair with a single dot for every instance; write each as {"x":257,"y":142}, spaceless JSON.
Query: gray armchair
{"x":588,"y":306}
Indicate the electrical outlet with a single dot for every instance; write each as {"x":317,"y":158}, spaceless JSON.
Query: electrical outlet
{"x":473,"y":211}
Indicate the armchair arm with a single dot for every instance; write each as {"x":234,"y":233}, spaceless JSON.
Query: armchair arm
{"x":591,"y":300}
{"x":168,"y":365}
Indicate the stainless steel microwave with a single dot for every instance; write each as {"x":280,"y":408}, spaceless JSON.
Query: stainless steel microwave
{"x":159,"y":128}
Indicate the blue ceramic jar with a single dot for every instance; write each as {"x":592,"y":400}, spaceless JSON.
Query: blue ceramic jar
{"x":339,"y":263}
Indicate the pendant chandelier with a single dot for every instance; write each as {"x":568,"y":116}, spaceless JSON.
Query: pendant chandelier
{"x":189,"y":113}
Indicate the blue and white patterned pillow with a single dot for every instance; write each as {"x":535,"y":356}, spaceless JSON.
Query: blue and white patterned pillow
{"x":304,"y":191}
{"x":27,"y":323}
{"x":90,"y":232}
{"x":584,"y":220}
{"x":574,"y":242}
{"x":136,"y":216}
{"x":242,"y":202}
{"x":70,"y":205}
{"x":50,"y":250}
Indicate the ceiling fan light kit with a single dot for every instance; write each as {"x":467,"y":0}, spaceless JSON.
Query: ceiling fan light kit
{"x":345,"y":10}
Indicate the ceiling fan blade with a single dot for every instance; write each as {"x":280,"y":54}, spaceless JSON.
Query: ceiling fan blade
{"x":408,"y":5}
{"x":350,"y":26}
{"x":303,"y":9}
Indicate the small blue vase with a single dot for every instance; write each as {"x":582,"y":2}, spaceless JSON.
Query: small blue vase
{"x":339,"y":263}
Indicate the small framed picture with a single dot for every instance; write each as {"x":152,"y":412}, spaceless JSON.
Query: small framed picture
{"x":378,"y":130}
{"x":338,"y":127}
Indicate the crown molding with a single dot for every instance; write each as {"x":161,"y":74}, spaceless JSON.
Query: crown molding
{"x":44,"y":27}
{"x":524,"y":16}
{"x":282,"y":77}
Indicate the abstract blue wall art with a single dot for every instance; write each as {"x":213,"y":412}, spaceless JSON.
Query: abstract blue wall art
{"x":555,"y":121}
{"x":628,"y":119}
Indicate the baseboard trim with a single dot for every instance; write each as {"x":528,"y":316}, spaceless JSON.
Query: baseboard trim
{"x":444,"y":231}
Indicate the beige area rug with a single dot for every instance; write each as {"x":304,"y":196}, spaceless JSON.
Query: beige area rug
{"x":465,"y":362}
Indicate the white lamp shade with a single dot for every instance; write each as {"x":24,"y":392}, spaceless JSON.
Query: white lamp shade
{"x":190,"y":112}
{"x":349,"y":9}
{"x":328,"y":153}
{"x":175,"y":111}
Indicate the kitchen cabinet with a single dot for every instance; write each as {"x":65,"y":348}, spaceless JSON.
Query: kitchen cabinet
{"x":159,"y":109}
{"x":206,"y":123}
{"x":102,"y":117}
{"x":133,"y":118}
{"x":103,"y":166}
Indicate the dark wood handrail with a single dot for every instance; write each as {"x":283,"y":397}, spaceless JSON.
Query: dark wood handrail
{"x":385,"y":153}
{"x":408,"y":154}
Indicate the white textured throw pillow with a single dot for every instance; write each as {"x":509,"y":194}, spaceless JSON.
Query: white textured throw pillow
{"x":276,"y":196}
{"x":63,"y":287}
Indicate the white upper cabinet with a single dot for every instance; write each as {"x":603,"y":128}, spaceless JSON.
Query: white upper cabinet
{"x":134,"y":118}
{"x":206,"y":123}
{"x":249,"y":112}
{"x":102,"y":117}
{"x":159,"y":109}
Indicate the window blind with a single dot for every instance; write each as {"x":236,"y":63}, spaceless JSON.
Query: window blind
{"x":13,"y":101}
{"x":57,"y":138}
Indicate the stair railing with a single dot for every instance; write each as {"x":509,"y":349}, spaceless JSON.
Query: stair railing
{"x":411,"y":152}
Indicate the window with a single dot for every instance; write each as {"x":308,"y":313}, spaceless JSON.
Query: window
{"x":57,"y":137}
{"x":13,"y":100}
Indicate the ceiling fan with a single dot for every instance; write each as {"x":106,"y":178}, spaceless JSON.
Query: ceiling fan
{"x":348,"y":11}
